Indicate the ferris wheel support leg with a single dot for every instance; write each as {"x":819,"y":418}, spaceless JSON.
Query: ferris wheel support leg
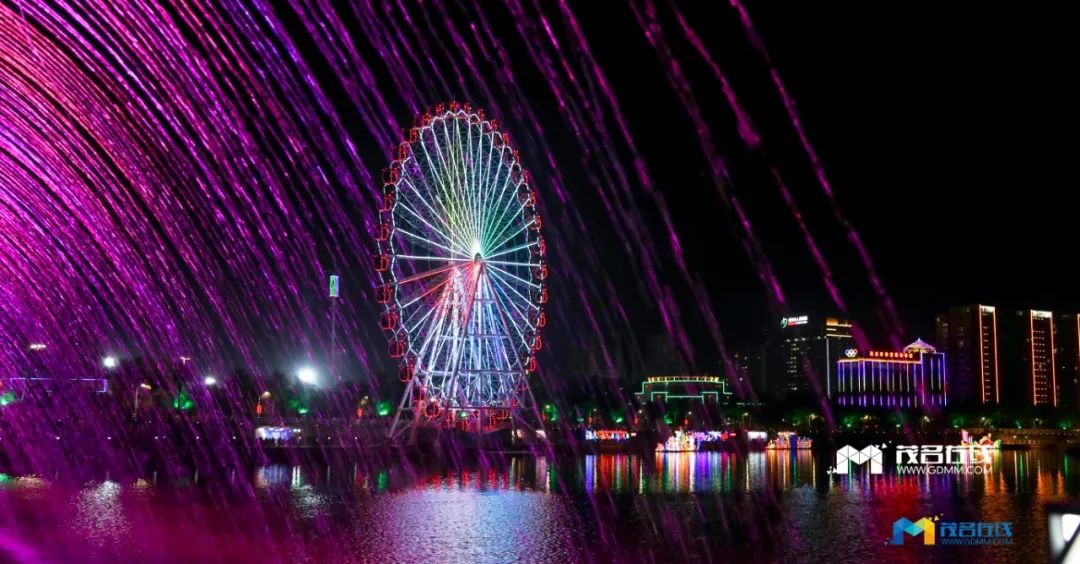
{"x":536,"y":411}
{"x":393,"y":432}
{"x":414,"y":427}
{"x":538,"y":429}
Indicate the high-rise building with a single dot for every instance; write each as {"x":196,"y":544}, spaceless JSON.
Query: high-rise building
{"x":1029,"y":365}
{"x":1039,"y":375}
{"x":802,"y":355}
{"x":838,"y":340}
{"x":969,"y":336}
{"x":914,"y":377}
{"x":1067,"y":356}
{"x":748,"y":364}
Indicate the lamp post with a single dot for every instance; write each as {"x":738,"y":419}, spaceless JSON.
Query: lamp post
{"x":259,"y":403}
{"x":135,"y":408}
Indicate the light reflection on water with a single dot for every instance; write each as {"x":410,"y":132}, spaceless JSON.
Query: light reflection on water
{"x":710,"y":506}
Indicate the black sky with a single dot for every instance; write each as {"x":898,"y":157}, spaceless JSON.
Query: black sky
{"x":947,"y":133}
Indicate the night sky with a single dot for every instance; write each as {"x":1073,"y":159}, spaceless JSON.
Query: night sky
{"x":949,"y":135}
{"x":944,"y":134}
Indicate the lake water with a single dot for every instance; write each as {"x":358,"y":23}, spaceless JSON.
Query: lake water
{"x":774,"y":506}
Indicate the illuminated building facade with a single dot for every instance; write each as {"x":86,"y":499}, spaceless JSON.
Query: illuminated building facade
{"x":969,"y":334}
{"x":702,"y":389}
{"x":802,"y":355}
{"x":914,"y":377}
{"x":1029,"y":366}
{"x":1039,"y":356}
{"x":1067,"y":355}
{"x":1040,"y":365}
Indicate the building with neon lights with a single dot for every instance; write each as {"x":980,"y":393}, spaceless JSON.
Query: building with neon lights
{"x":1067,"y":355}
{"x":914,"y":377}
{"x":1031,"y":360}
{"x":802,"y":355}
{"x":704,"y":389}
{"x":969,"y":335}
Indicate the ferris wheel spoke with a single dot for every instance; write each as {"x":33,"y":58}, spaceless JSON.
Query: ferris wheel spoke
{"x":512,"y":250}
{"x":409,"y":313}
{"x":513,"y":322}
{"x":448,"y":186}
{"x":502,"y":215}
{"x":484,"y":181}
{"x":503,"y":301}
{"x":512,"y":263}
{"x":444,"y":233}
{"x":512,"y":279}
{"x":429,"y":351}
{"x":429,"y":329}
{"x":431,"y":340}
{"x":426,"y":241}
{"x":417,"y":328}
{"x":425,"y":274}
{"x":435,"y":258}
{"x":491,"y":220}
{"x":501,"y":288}
{"x":458,"y":246}
{"x":447,"y":231}
{"x":489,"y":184}
{"x":450,"y":166}
{"x":451,"y":212}
{"x":478,"y":178}
{"x":499,"y":238}
{"x":463,"y":146}
{"x":514,"y":289}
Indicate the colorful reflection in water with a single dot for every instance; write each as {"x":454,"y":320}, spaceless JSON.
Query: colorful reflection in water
{"x":764,"y":506}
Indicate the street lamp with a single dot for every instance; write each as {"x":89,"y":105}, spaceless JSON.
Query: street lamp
{"x":209,"y":381}
{"x":110,"y":362}
{"x":308,"y":376}
{"x":135,"y":408}
{"x":259,"y":403}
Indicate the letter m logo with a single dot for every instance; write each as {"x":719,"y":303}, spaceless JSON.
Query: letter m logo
{"x":903,"y":526}
{"x":850,"y":454}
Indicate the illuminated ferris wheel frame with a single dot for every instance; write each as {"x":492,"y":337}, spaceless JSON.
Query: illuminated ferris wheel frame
{"x":462,"y":267}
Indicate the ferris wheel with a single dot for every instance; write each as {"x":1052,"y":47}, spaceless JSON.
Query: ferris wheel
{"x":462,"y":268}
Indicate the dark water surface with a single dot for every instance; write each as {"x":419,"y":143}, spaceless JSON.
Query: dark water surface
{"x":675,"y":507}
